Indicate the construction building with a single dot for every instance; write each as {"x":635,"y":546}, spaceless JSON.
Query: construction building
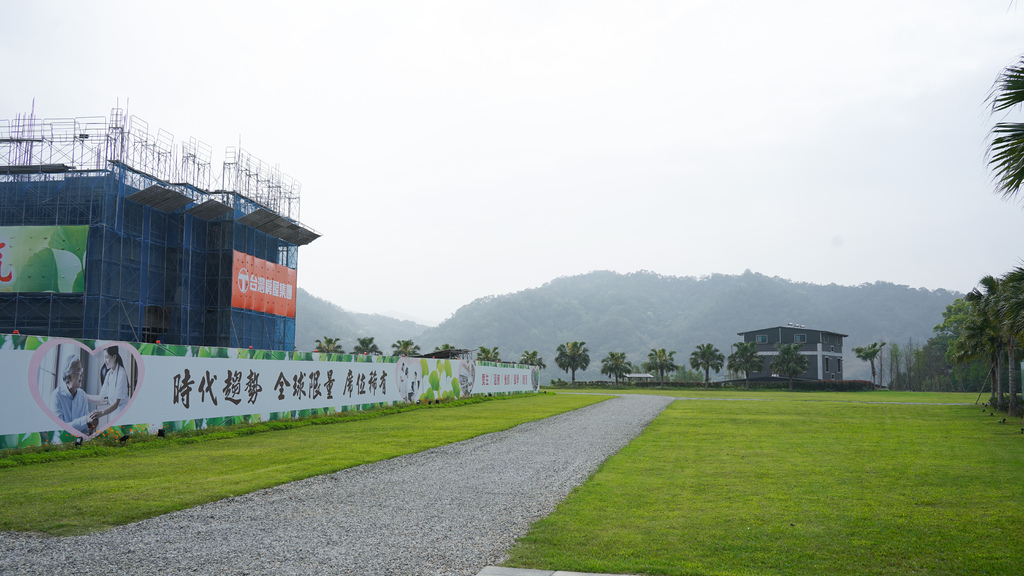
{"x":111,"y":232}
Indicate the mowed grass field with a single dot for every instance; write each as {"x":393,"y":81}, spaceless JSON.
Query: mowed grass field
{"x":804,"y":484}
{"x":74,"y":496}
{"x":877,"y":396}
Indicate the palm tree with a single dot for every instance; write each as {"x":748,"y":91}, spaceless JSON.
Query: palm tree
{"x":329,"y":345}
{"x":1005,"y":156}
{"x":868,"y":354}
{"x":405,"y":348}
{"x":1005,"y":153}
{"x":1012,"y":308}
{"x":789,"y":361}
{"x":986,"y":327}
{"x":976,"y":341}
{"x":365,"y":345}
{"x":443,"y":347}
{"x":707,"y":358}
{"x":660,"y":361}
{"x":485,"y":354}
{"x":532,"y":359}
{"x":895,"y":361}
{"x":615,"y":365}
{"x":745,"y":359}
{"x":572,"y":356}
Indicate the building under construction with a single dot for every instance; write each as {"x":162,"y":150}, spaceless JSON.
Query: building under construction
{"x":111,"y":232}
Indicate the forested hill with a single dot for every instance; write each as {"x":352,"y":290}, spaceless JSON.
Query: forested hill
{"x":316,"y":318}
{"x":635,"y":312}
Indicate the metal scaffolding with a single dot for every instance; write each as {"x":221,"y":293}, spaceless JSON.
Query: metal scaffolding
{"x":36,"y":148}
{"x":162,"y":231}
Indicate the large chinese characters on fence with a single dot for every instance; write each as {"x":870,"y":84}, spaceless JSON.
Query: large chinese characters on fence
{"x":57,"y":389}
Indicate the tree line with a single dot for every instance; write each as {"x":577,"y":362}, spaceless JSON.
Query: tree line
{"x":975,"y":346}
{"x":575,"y":356}
{"x":989,"y":329}
{"x":366,"y":345}
{"x":705,"y":358}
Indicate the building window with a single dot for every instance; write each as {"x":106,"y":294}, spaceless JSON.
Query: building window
{"x":826,"y":364}
{"x":831,"y":348}
{"x":840,"y":363}
{"x":801,"y":338}
{"x":762,"y":338}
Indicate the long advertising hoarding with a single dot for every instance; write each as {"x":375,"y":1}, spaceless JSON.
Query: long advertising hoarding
{"x":57,"y":389}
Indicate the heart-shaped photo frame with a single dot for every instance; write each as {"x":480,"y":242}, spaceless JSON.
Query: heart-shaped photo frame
{"x":85,"y":390}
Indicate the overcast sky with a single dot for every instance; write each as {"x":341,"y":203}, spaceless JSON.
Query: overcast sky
{"x":453,"y":150}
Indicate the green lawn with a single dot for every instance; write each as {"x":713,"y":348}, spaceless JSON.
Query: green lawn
{"x":798,"y":487}
{"x":72,"y":496}
{"x":739,"y":393}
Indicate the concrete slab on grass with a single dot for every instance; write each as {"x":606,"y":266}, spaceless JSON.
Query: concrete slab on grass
{"x":502,"y":571}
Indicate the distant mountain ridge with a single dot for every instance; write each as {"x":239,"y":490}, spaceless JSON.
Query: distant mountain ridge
{"x":316,"y":318}
{"x":635,"y":312}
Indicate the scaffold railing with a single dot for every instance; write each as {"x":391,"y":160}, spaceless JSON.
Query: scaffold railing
{"x":32,"y":147}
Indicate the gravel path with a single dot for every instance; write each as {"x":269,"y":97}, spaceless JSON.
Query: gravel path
{"x":447,"y":511}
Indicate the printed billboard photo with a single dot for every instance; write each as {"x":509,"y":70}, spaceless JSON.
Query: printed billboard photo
{"x":85,"y":391}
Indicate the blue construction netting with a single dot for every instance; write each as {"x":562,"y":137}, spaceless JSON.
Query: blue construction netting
{"x":149,"y":275}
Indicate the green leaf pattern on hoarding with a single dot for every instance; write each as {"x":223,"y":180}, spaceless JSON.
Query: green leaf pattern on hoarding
{"x":67,"y":268}
{"x":71,"y":239}
{"x":22,"y":342}
{"x":49,"y":258}
{"x":441,"y":383}
{"x":38,"y":273}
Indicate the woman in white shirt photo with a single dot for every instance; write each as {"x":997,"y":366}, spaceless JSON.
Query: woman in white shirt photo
{"x":113,"y":396}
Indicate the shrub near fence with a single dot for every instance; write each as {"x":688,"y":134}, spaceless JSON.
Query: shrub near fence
{"x":798,"y":385}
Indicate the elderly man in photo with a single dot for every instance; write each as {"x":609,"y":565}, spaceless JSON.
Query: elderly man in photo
{"x":69,"y":402}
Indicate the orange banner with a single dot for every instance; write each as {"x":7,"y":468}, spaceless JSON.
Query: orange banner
{"x":263,"y":286}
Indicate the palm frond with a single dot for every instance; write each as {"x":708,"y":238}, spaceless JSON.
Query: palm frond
{"x":1008,"y":90}
{"x":1005,"y":156}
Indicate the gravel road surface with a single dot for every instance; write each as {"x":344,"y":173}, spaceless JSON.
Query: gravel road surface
{"x":447,"y":511}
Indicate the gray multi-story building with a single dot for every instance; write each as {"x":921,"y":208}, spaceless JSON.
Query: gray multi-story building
{"x":823,"y":348}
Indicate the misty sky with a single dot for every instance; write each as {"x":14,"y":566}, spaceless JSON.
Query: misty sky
{"x":453,"y":150}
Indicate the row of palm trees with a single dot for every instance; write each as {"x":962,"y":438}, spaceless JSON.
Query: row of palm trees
{"x":366,"y":345}
{"x":575,"y":356}
{"x":743,"y":360}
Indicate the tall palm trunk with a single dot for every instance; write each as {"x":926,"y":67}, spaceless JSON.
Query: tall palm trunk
{"x":1012,"y":370}
{"x":993,"y":399}
{"x":999,"y":380}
